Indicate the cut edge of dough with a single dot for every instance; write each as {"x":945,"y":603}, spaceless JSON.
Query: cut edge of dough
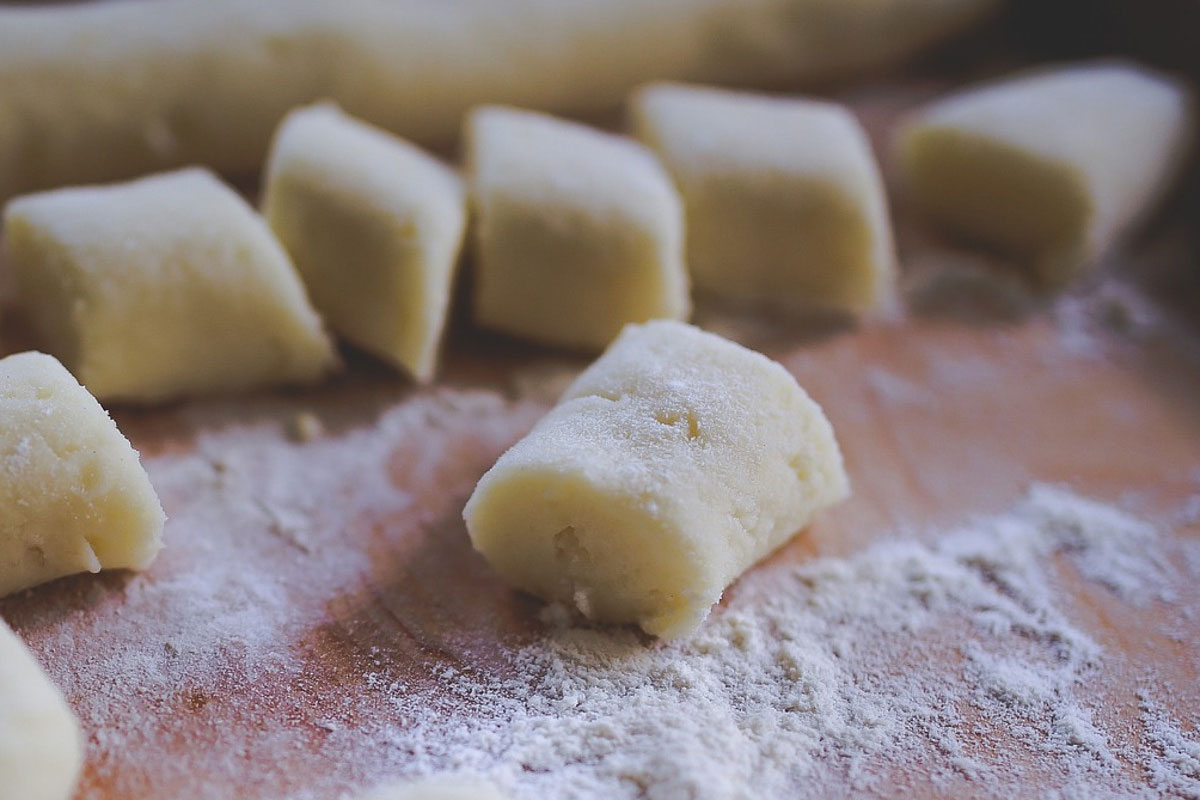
{"x":883,"y":301}
{"x":305,"y":362}
{"x":930,"y":153}
{"x":134,"y":511}
{"x":445,"y":250}
{"x":594,"y":556}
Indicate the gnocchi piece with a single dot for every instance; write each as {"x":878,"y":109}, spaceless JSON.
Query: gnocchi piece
{"x":374,"y":226}
{"x":163,"y":287}
{"x":1050,"y":166}
{"x":672,"y":464}
{"x":73,"y":495}
{"x":41,"y":748}
{"x":578,"y":232}
{"x":785,"y":204}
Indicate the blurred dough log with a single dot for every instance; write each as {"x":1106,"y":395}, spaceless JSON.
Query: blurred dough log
{"x":97,"y":92}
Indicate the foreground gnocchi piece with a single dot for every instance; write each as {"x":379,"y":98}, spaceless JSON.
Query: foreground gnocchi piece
{"x":578,"y":232}
{"x":435,"y":788}
{"x":160,"y":288}
{"x":374,"y":226}
{"x":41,"y":748}
{"x":785,"y":204}
{"x":73,"y":495}
{"x":671,"y":465}
{"x":1050,"y":166}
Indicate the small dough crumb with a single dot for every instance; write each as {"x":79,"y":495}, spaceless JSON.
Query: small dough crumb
{"x":304,"y":427}
{"x":785,"y":203}
{"x":73,"y":494}
{"x":374,"y":226}
{"x":1049,"y":166}
{"x":671,"y":465}
{"x":578,"y":232}
{"x":163,"y":287}
{"x":41,"y":747}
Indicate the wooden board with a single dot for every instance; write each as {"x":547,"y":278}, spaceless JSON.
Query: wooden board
{"x":952,"y":411}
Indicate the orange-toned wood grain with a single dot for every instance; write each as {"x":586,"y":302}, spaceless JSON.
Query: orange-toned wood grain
{"x":952,"y":411}
{"x":938,"y":420}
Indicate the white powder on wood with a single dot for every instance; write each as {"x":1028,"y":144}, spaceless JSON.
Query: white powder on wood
{"x":1171,"y":757}
{"x":957,"y":665}
{"x":832,"y":674}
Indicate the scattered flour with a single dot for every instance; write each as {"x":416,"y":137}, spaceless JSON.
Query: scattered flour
{"x":950,"y":666}
{"x":893,"y":390}
{"x":1171,"y":758}
{"x":1092,"y":319}
{"x":832,"y":674}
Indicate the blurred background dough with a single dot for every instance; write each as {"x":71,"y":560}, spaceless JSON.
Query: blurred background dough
{"x":95,"y":92}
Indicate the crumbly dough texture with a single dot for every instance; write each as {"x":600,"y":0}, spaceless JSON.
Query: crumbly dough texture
{"x":578,"y":232}
{"x":439,"y":787}
{"x":73,"y":494}
{"x":1049,"y":166}
{"x":374,"y":226}
{"x":41,"y":748}
{"x":160,"y":288}
{"x":785,"y":203}
{"x":174,"y":82}
{"x":672,"y":464}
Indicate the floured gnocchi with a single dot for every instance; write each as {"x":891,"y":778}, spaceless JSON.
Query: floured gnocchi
{"x":1049,"y":166}
{"x":163,"y":287}
{"x":41,"y":748}
{"x":73,"y":495}
{"x":374,"y":226}
{"x":577,"y":232}
{"x":672,"y":464}
{"x":785,"y":204}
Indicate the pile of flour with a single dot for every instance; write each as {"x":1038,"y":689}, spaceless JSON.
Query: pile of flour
{"x":908,"y":665}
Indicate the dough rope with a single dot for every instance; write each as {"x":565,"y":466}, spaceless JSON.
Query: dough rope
{"x":154,"y":84}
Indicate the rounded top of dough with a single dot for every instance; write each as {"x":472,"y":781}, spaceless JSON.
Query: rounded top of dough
{"x":545,"y":159}
{"x":746,"y":132}
{"x":344,"y":154}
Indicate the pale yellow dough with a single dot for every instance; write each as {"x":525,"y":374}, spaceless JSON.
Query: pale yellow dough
{"x":672,"y":464}
{"x":161,"y":288}
{"x":785,"y":204}
{"x":1048,"y":166}
{"x":577,"y":232}
{"x":435,"y":788}
{"x":101,"y":91}
{"x":41,"y":748}
{"x":73,"y":495}
{"x":374,"y":226}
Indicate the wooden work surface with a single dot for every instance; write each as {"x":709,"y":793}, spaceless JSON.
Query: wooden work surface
{"x":953,"y":410}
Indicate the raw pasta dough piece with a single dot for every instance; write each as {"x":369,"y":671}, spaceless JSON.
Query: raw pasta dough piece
{"x":435,"y":788}
{"x":164,"y":287}
{"x":785,"y":204}
{"x":160,"y":84}
{"x":374,"y":226}
{"x":577,"y":232}
{"x":41,"y":748}
{"x":671,"y":465}
{"x":73,"y":495}
{"x":1049,"y":166}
